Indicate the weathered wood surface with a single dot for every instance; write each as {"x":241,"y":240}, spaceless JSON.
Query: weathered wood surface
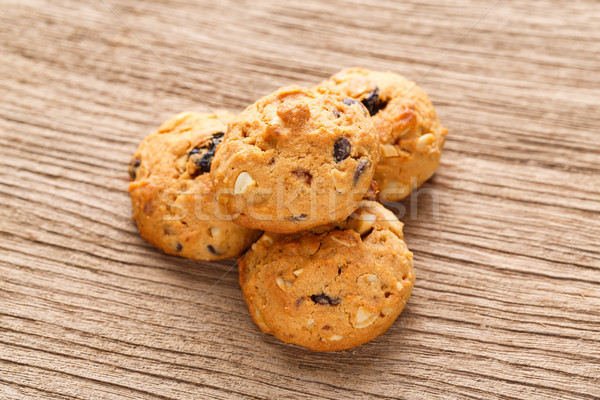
{"x":507,"y":300}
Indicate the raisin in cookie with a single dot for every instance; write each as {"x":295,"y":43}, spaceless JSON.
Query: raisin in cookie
{"x":332,"y":288}
{"x":410,"y":132}
{"x":172,"y":195}
{"x":296,"y":159}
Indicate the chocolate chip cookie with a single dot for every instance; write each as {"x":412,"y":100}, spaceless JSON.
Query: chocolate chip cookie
{"x":296,"y":159}
{"x":410,"y":132}
{"x":332,"y":288}
{"x":172,"y":195}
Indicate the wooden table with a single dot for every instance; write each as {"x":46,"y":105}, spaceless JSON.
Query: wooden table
{"x":506,"y":237}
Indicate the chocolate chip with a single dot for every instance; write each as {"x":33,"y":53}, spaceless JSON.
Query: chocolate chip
{"x":178,"y":247}
{"x":341,"y":149}
{"x":203,"y":163}
{"x":303,"y":175}
{"x":218,"y":135}
{"x":212,"y":250}
{"x":373,"y":103}
{"x":325,"y":300}
{"x":372,"y":192}
{"x":359,"y":170}
{"x":349,"y":101}
{"x":300,"y":217}
{"x":202,"y":156}
{"x":336,"y":113}
{"x":133,"y":168}
{"x":299,"y":301}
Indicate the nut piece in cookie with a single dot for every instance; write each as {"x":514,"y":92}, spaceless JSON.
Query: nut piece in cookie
{"x":410,"y":133}
{"x":331,"y":288}
{"x":296,"y":159}
{"x":172,"y":195}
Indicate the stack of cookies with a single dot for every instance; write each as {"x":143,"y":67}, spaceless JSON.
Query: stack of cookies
{"x":295,"y":177}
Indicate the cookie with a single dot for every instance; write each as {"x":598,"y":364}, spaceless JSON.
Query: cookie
{"x":410,"y":133}
{"x":172,"y":195}
{"x":296,"y":159}
{"x":332,"y":288}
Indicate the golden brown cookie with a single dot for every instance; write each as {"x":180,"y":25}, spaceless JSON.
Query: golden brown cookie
{"x":296,"y":159}
{"x":410,"y":132}
{"x":332,"y":288}
{"x":172,"y":195}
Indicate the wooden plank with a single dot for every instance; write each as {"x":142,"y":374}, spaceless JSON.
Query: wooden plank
{"x":505,"y":236}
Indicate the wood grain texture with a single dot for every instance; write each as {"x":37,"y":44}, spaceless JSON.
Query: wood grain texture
{"x":505,"y":237}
